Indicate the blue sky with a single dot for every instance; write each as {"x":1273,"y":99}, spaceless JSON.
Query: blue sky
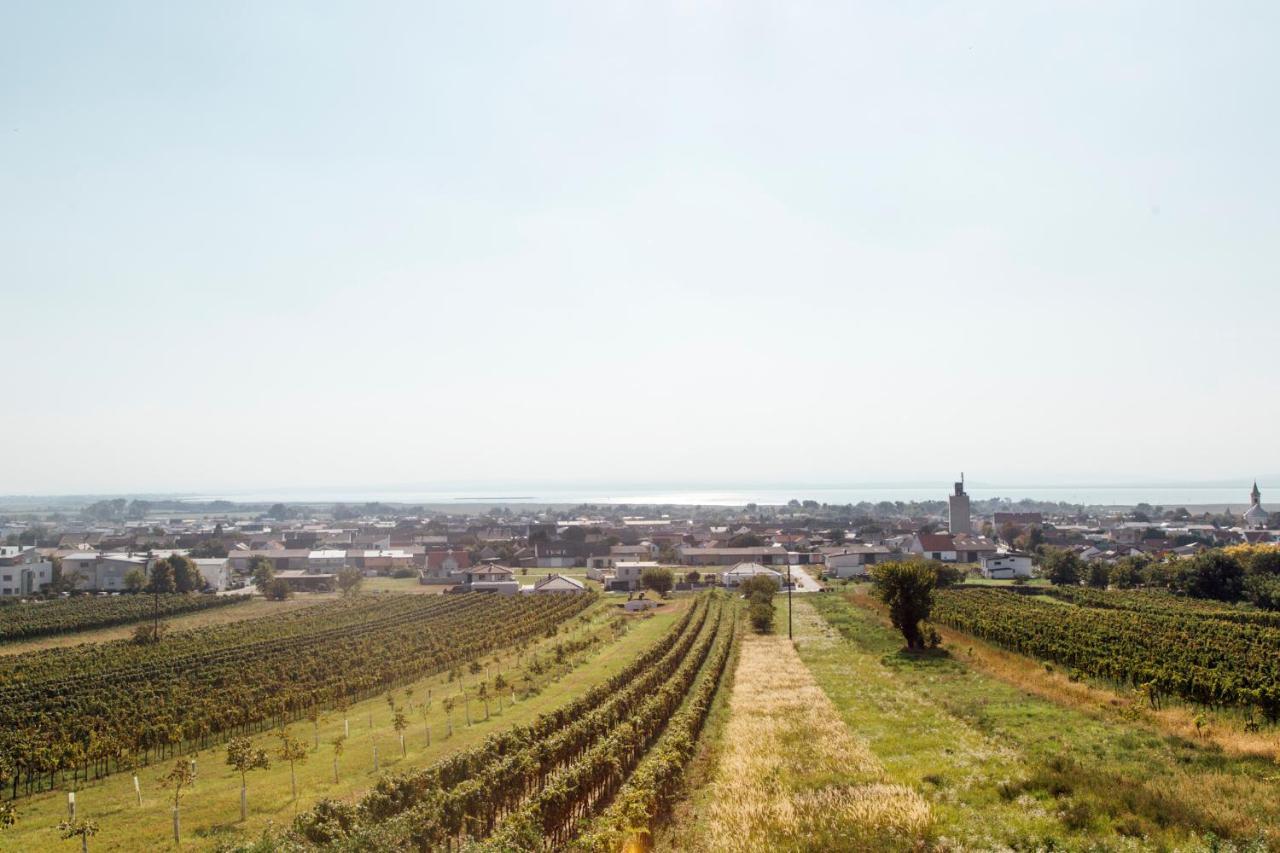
{"x":270,"y":244}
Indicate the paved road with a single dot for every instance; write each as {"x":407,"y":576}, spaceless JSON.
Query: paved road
{"x":804,"y":581}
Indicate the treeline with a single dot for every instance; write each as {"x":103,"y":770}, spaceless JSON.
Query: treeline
{"x":1239,"y":573}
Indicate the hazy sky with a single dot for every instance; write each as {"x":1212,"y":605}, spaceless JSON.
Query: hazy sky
{"x":291,"y":244}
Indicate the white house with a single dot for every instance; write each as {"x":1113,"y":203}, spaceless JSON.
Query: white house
{"x":745,"y":571}
{"x":626,"y":575}
{"x":849,"y":561}
{"x":22,"y":572}
{"x":1006,"y":565}
{"x":558,"y":583}
{"x":215,"y":571}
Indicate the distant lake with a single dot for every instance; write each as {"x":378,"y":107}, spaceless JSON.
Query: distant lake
{"x":1162,"y":495}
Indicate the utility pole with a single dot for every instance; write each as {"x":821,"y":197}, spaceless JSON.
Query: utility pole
{"x":789,"y":600}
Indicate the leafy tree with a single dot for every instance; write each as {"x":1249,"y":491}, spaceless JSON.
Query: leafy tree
{"x":278,"y":589}
{"x":210,"y":548}
{"x":1127,"y":572}
{"x":243,"y":757}
{"x":746,"y":540}
{"x":186,"y":578}
{"x":1097,"y":575}
{"x":181,"y":777}
{"x":262,"y":573}
{"x":162,"y":580}
{"x":1214,"y":574}
{"x":836,"y":534}
{"x":907,"y":589}
{"x":8,"y":815}
{"x":349,"y":580}
{"x":294,"y":751}
{"x":693,"y":576}
{"x":759,"y":590}
{"x":135,"y":580}
{"x":1061,"y":567}
{"x":658,"y":579}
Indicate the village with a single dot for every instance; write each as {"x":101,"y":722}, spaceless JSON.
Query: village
{"x":111,"y":546}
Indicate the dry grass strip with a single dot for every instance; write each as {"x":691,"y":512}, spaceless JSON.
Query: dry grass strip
{"x":792,"y":777}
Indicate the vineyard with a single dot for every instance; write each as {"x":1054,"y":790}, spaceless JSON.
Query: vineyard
{"x":1177,"y":651}
{"x":27,"y":620}
{"x":1165,"y":603}
{"x":539,"y":786}
{"x":92,"y":710}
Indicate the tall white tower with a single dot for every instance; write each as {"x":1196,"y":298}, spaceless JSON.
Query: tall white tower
{"x":958,"y":510}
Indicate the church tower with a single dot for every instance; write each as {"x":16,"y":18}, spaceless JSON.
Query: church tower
{"x":958,"y":510}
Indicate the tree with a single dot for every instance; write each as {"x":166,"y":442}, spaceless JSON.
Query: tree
{"x":181,"y":777}
{"x":907,"y":590}
{"x":1098,"y":575}
{"x":1214,"y":574}
{"x":186,"y":578}
{"x":836,"y":535}
{"x":1126,"y":573}
{"x":658,"y":579}
{"x":292,"y":750}
{"x":1061,"y":567}
{"x":447,"y":703}
{"x":210,"y":548}
{"x":162,"y":580}
{"x":135,"y":579}
{"x":262,"y":573}
{"x":243,"y":757}
{"x":349,"y":580}
{"x":400,"y":722}
{"x":339,"y":743}
{"x":82,"y":829}
{"x":278,"y":589}
{"x":746,"y":540}
{"x":692,"y":577}
{"x":759,"y":590}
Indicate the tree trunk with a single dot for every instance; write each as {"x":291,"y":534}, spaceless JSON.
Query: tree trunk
{"x":335,"y":770}
{"x":293,"y":781}
{"x":244,"y":803}
{"x":177,"y":827}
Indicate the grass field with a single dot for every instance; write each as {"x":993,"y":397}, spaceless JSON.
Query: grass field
{"x":210,"y":812}
{"x":1005,"y":769}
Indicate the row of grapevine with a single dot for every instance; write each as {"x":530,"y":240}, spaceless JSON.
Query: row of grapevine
{"x":470,"y":793}
{"x":655,"y":785}
{"x":93,"y":709}
{"x":1165,"y":603}
{"x":1204,"y":660}
{"x":30,"y":619}
{"x":550,"y":819}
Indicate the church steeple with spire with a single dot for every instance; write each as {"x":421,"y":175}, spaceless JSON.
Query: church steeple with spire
{"x":1255,"y":516}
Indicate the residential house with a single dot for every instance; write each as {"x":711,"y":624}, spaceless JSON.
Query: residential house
{"x":1006,"y":565}
{"x":626,"y":576}
{"x":853,"y":560}
{"x":745,"y":571}
{"x":216,"y":572}
{"x":22,"y":571}
{"x":947,"y":548}
{"x":765,"y":555}
{"x":558,"y":583}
